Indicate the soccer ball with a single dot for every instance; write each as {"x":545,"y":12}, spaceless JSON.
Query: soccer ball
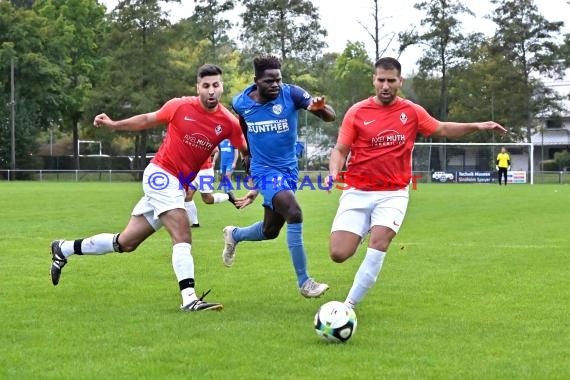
{"x":335,"y":322}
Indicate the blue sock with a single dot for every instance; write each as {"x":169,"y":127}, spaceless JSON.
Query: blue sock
{"x":250,"y":233}
{"x":297,"y":251}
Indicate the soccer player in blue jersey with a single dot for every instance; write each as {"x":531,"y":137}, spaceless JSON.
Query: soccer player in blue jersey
{"x":228,"y":159}
{"x":268,"y":116}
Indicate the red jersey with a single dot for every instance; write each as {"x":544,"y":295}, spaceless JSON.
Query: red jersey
{"x":381,"y":140}
{"x":192,"y":134}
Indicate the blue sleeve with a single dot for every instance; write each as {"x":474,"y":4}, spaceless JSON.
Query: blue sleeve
{"x":300,"y":97}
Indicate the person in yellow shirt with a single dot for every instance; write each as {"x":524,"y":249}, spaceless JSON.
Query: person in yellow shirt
{"x":503,"y":164}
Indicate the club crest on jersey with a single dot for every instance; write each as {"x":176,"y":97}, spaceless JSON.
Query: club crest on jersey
{"x":218,"y":129}
{"x":403,"y":118}
{"x":277,"y":109}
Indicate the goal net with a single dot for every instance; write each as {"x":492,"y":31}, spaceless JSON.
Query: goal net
{"x":471,"y":162}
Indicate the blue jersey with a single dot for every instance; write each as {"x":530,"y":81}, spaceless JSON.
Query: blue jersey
{"x":272,"y":127}
{"x":227,"y":152}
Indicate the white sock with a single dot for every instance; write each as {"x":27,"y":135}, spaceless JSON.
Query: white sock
{"x":94,"y":245}
{"x":183,"y":265}
{"x":365,"y":276}
{"x":220,"y":197}
{"x":192,"y":212}
{"x":98,"y":244}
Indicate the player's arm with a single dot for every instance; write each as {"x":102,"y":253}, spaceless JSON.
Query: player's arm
{"x":236,"y":155}
{"x":453,"y":130}
{"x":215,"y":154}
{"x":336,"y":163}
{"x":319,"y":108}
{"x":134,"y":123}
{"x":245,"y":156}
{"x":315,"y":105}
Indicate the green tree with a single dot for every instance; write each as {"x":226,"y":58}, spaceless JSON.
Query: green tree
{"x":138,"y":71}
{"x":74,"y":31}
{"x":443,"y":42}
{"x":38,"y":81}
{"x":288,"y":28}
{"x":209,"y":24}
{"x":528,"y":40}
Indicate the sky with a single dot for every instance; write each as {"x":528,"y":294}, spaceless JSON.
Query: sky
{"x":345,"y":20}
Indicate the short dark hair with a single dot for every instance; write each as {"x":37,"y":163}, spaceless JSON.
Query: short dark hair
{"x":208,"y":70}
{"x":388,"y":63}
{"x":265,"y":62}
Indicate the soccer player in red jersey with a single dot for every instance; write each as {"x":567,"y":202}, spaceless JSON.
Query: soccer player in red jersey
{"x":379,"y":133}
{"x":196,"y":125}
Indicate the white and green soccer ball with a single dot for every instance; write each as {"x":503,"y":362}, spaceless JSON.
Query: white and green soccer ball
{"x":335,"y":322}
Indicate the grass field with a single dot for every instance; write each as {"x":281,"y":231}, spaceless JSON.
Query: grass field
{"x":475,"y":286}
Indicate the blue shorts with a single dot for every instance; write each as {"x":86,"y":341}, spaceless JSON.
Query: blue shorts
{"x":272,"y":181}
{"x":226,"y":168}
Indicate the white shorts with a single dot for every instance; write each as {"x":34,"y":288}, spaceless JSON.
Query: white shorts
{"x":162,"y":192}
{"x":204,"y":181}
{"x":359,"y":210}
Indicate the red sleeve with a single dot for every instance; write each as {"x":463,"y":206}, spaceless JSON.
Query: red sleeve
{"x":427,"y":124}
{"x":347,"y":132}
{"x":166,"y":112}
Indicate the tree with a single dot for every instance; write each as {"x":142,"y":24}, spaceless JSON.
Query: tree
{"x":527,"y":39}
{"x":443,"y":41}
{"x":288,"y":28}
{"x":38,"y":80}
{"x":138,"y":73}
{"x":74,"y":36}
{"x":208,"y":24}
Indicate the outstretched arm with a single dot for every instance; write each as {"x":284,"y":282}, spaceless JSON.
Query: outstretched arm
{"x":135,"y":123}
{"x":319,"y":108}
{"x":455,"y":130}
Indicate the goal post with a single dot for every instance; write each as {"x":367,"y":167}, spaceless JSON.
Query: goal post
{"x":471,"y":162}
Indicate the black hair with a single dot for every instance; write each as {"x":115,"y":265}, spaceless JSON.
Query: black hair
{"x":208,"y":70}
{"x":388,"y":63}
{"x":265,"y":62}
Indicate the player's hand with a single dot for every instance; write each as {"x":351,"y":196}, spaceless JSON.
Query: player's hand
{"x":317,"y":103}
{"x":329,"y":183}
{"x":497,"y":167}
{"x":491,"y":125}
{"x":509,"y":168}
{"x":102,"y":119}
{"x":247,"y":199}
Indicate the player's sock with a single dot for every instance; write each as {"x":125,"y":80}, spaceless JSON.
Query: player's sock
{"x":183,"y":265}
{"x":220,"y":197}
{"x":297,"y":251}
{"x":94,"y":245}
{"x":366,"y":276}
{"x":250,"y":233}
{"x":192,"y":212}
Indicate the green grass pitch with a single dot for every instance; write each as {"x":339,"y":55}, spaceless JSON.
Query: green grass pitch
{"x":475,"y":286}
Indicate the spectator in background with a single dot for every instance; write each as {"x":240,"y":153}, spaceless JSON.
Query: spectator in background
{"x":228,"y":160}
{"x":503,"y":164}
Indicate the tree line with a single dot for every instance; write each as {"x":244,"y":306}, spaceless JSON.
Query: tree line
{"x":72,"y":59}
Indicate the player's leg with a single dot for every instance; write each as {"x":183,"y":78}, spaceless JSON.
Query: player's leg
{"x":386,"y":218}
{"x":190,"y":207}
{"x":175,"y":221}
{"x":505,"y":175}
{"x":288,"y":208}
{"x":136,"y":231}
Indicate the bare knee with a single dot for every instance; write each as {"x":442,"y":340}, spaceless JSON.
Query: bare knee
{"x":127,"y":246}
{"x":208,"y":198}
{"x":339,"y":256}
